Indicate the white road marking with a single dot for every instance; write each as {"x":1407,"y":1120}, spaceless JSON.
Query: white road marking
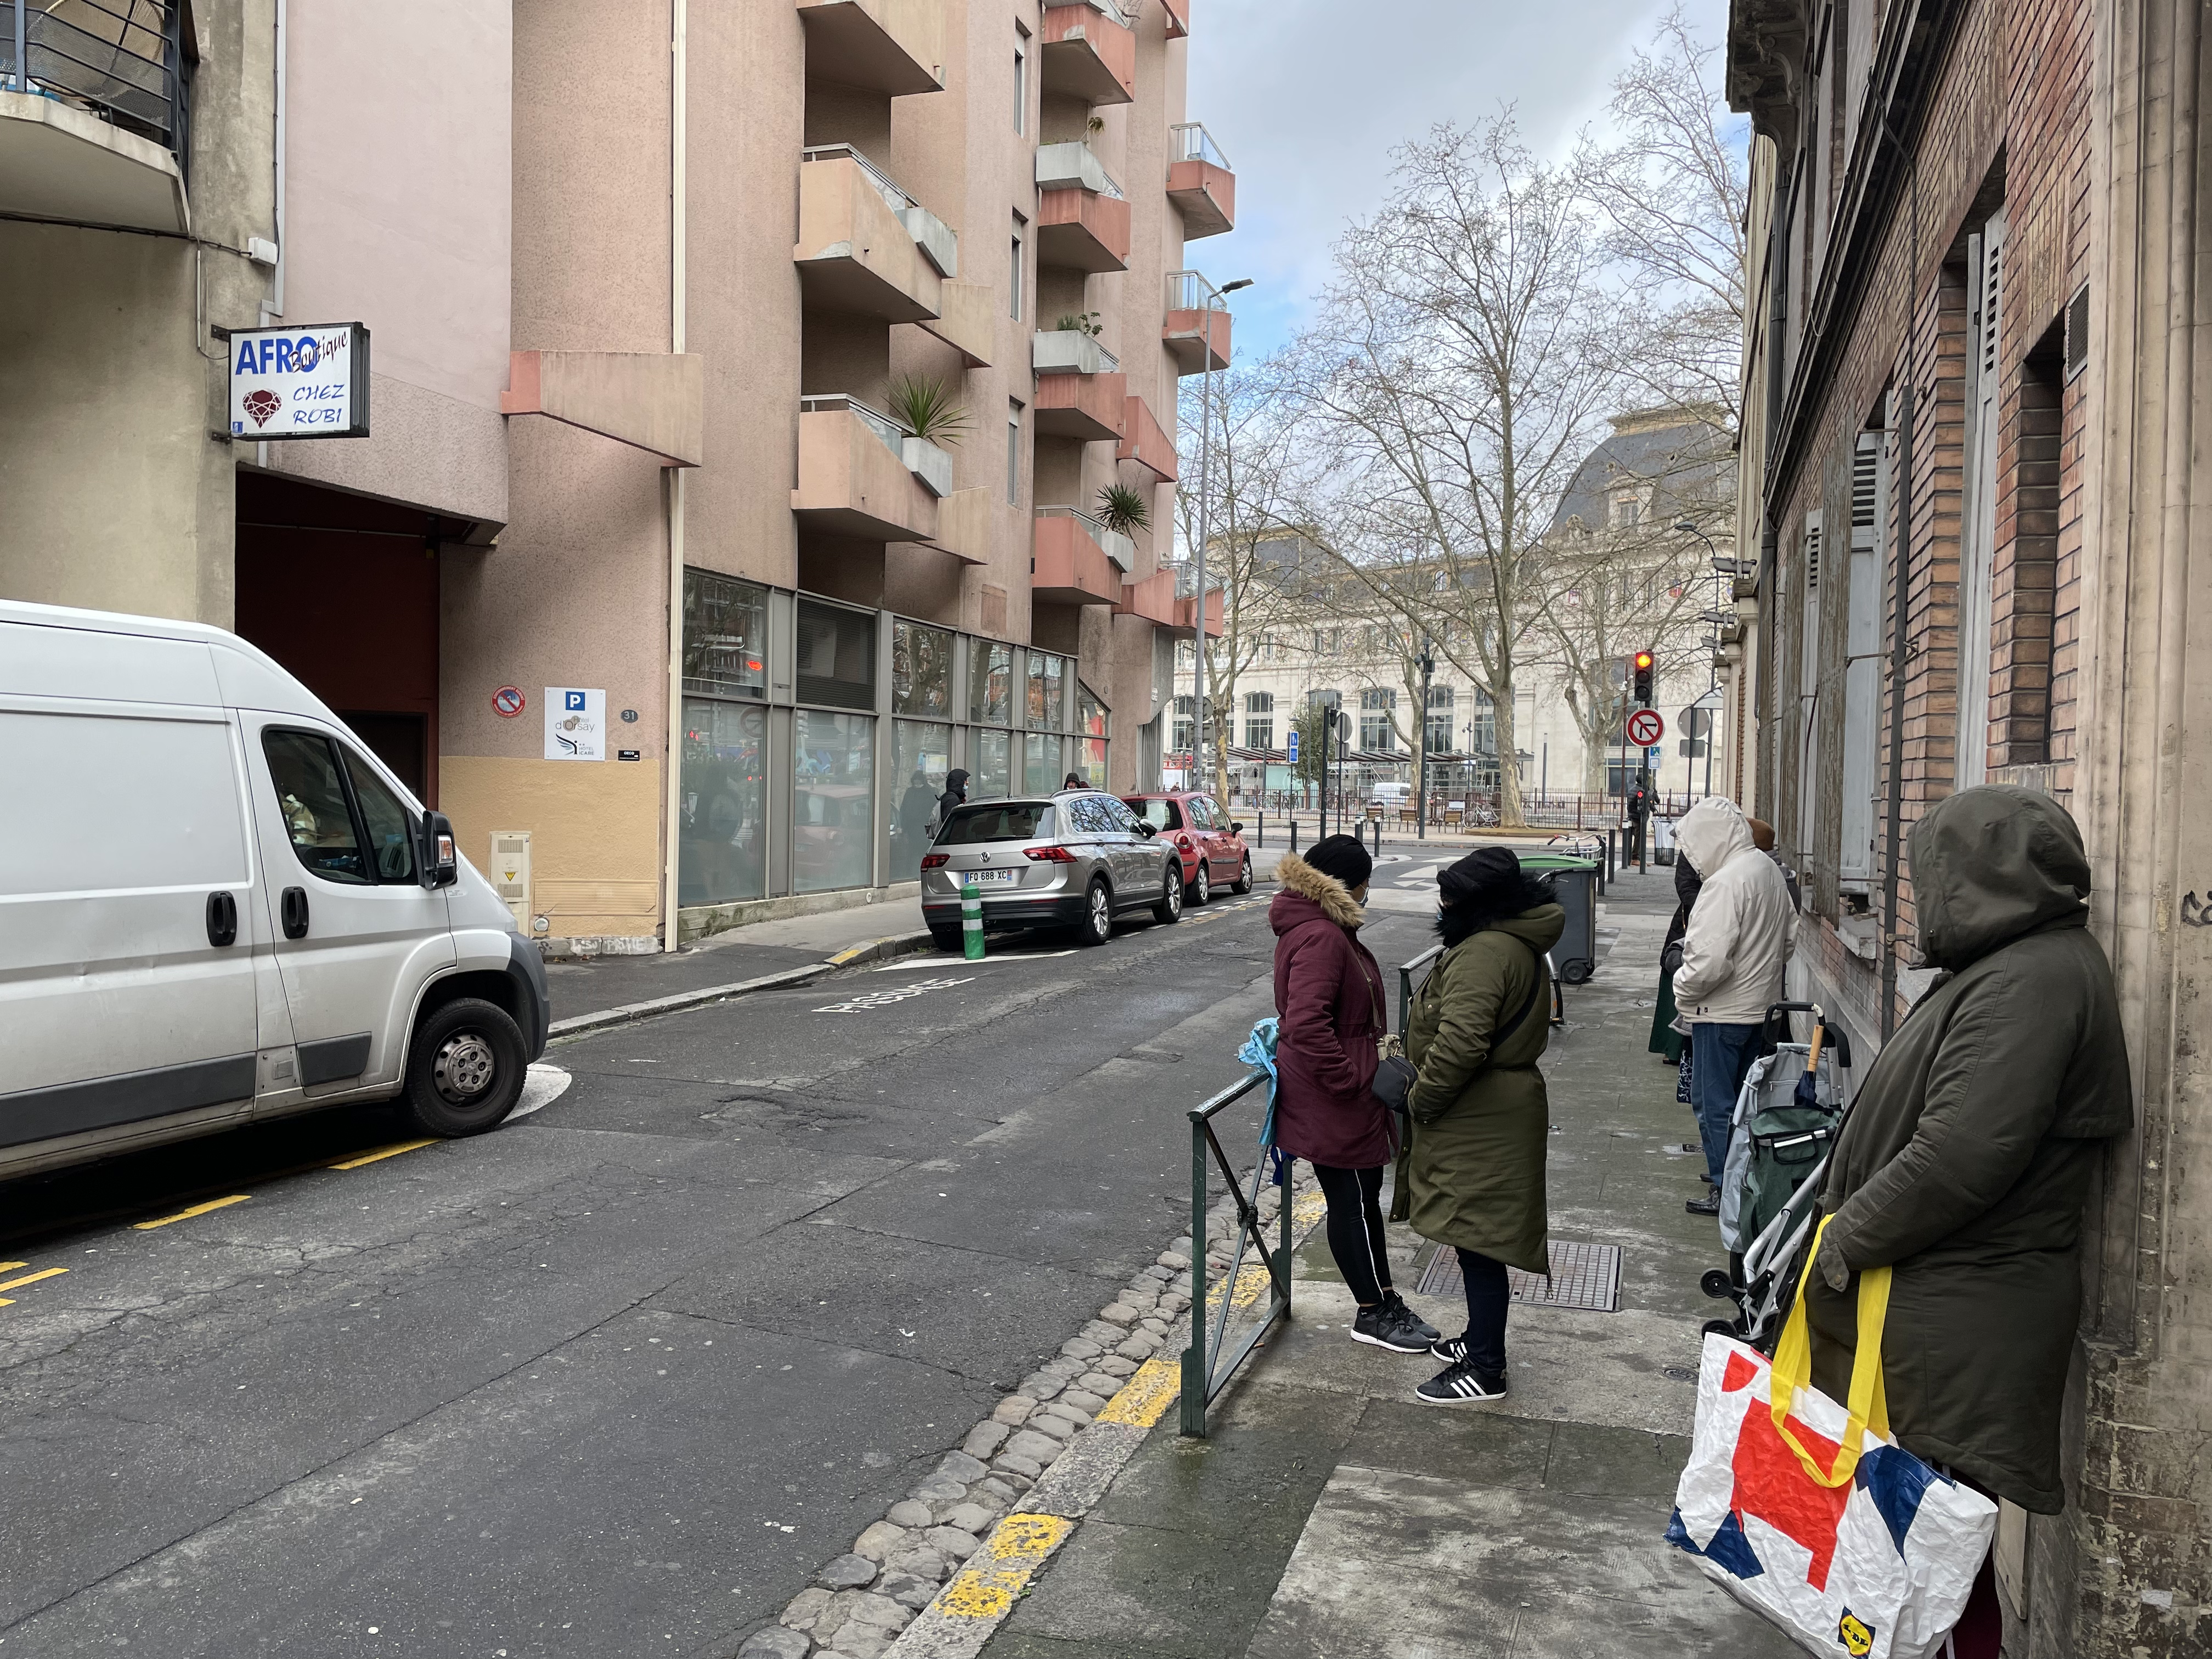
{"x":886,"y":997}
{"x":541,"y":1086}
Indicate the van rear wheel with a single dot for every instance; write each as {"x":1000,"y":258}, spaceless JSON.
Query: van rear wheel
{"x":465,"y":1068}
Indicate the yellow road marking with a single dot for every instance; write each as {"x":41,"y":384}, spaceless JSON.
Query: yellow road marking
{"x":381,"y":1152}
{"x":1015,"y":1550}
{"x":1145,"y":1397}
{"x":10,"y":1267}
{"x":28,"y":1278}
{"x":196,"y":1209}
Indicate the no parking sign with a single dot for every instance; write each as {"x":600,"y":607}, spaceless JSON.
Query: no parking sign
{"x":508,"y":702}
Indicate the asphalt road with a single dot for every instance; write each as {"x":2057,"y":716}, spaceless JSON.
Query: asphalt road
{"x":617,"y":1378}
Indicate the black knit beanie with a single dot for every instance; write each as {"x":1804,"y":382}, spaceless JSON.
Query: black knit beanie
{"x":1489,"y":882}
{"x":1343,"y":857}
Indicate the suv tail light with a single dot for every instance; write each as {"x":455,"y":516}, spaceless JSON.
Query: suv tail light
{"x":935,"y":860}
{"x":1049,"y":854}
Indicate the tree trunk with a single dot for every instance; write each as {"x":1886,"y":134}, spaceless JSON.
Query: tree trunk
{"x":1510,"y":812}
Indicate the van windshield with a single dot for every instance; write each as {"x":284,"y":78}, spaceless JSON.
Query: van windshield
{"x":1019,"y":820}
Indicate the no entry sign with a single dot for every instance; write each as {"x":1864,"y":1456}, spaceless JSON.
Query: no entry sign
{"x":1646,"y":727}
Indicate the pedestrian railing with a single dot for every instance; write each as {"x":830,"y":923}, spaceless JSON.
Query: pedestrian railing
{"x":1406,"y":972}
{"x":1209,"y":1362}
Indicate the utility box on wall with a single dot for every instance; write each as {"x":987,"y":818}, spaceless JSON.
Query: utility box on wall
{"x":510,"y":874}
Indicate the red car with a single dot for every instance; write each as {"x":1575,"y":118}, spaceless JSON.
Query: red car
{"x":1210,"y":847}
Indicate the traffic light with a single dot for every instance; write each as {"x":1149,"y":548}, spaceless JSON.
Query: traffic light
{"x":1642,"y":664}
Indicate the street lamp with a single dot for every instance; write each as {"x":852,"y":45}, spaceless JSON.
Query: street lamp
{"x":1421,"y":776}
{"x":1206,"y":505}
{"x":1712,"y":671}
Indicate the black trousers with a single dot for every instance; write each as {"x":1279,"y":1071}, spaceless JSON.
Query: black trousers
{"x":1355,"y":1229}
{"x":1488,"y":1296}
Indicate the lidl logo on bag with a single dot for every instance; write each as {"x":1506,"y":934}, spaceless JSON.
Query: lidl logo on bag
{"x":1855,"y":1636}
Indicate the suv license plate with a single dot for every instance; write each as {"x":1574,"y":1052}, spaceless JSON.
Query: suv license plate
{"x":985,"y":877}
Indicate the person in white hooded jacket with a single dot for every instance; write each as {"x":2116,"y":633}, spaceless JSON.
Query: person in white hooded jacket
{"x":1734,"y":961}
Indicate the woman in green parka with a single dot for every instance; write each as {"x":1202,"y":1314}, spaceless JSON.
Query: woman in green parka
{"x":1471,"y":1173}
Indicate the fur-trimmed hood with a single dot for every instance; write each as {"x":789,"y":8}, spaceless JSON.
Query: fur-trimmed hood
{"x":1306,"y":890}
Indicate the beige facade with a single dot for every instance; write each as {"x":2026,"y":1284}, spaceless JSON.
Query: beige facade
{"x":645,"y":286}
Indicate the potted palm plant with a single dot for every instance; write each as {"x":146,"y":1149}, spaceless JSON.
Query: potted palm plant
{"x":1123,"y":510}
{"x":930,"y":412}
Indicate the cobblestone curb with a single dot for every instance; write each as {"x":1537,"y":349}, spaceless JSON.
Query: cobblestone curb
{"x":935,"y":1576}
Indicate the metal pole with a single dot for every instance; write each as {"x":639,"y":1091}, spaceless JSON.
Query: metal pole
{"x":1194,"y":1356}
{"x":22,"y":71}
{"x":1205,"y":526}
{"x":1421,"y":781}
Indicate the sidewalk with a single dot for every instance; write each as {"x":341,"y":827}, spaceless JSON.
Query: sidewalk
{"x":1331,"y":1516}
{"x":595,"y":985}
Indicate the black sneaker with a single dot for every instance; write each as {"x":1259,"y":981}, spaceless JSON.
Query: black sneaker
{"x":1709,"y":1205}
{"x":1384,"y":1326}
{"x":1410,"y":1320}
{"x":1462,"y":1385}
{"x":1450,"y":1349}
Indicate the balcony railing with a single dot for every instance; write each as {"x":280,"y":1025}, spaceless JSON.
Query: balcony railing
{"x":1074,"y":166}
{"x":892,"y":433}
{"x":931,"y":234}
{"x":1190,"y":141}
{"x":1188,"y":291}
{"x":1113,"y":544}
{"x":120,"y":60}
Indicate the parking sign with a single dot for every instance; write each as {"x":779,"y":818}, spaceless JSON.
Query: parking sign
{"x":576,"y":723}
{"x":1291,"y":742}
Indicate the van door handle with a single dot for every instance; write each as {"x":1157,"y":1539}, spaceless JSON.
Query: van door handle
{"x":293,"y":909}
{"x":221,"y":920}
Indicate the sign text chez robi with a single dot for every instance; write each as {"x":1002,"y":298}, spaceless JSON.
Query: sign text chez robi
{"x":310,"y":381}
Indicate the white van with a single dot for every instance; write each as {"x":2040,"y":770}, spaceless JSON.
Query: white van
{"x":216,"y":907}
{"x":1391,"y":796}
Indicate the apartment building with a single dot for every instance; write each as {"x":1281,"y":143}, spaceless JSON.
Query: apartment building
{"x":1970,"y":377}
{"x":745,"y":382}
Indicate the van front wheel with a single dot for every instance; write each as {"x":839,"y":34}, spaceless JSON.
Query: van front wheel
{"x":465,"y":1068}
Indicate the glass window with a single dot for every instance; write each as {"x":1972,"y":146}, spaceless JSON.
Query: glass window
{"x":836,"y":656}
{"x":990,"y":765}
{"x":1260,"y":734}
{"x":1020,"y":86}
{"x":1045,"y":698}
{"x":1258,"y":702}
{"x":390,"y":826}
{"x":921,"y":754}
{"x":921,"y":670}
{"x":1014,"y":275}
{"x":1202,"y":814}
{"x":1094,"y":761}
{"x":990,"y":682}
{"x":1090,"y":711}
{"x":312,"y":800}
{"x":1015,"y":821}
{"x":1014,"y":442}
{"x":1041,"y":772}
{"x":1160,"y":814}
{"x":833,"y":790}
{"x":724,"y":636}
{"x":721,"y":851}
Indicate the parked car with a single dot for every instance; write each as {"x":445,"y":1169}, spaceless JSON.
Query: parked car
{"x":1210,"y":847}
{"x":1077,"y":859}
{"x":216,"y":906}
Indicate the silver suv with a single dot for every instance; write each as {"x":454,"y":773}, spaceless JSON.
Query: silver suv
{"x":1070,"y":859}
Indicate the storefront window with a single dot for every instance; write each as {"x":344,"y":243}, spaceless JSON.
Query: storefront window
{"x":836,"y":655}
{"x":990,"y":765}
{"x":921,"y":754}
{"x":921,"y":670}
{"x":724,"y":636}
{"x":720,"y":856}
{"x":1040,"y":773}
{"x":990,"y":682}
{"x":833,"y":789}
{"x":1091,"y":722}
{"x":1094,"y":761}
{"x":1045,"y":704}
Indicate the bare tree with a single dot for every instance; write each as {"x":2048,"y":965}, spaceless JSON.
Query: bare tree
{"x":1452,"y":384}
{"x":1673,"y":188}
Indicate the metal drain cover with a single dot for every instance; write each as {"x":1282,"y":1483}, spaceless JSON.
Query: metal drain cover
{"x":1583,"y":1276}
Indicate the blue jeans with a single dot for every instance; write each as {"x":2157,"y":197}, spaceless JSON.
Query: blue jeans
{"x":1720,"y":1055}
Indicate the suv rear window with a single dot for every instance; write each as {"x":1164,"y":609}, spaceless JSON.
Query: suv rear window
{"x":1020,"y":820}
{"x":1160,"y":814}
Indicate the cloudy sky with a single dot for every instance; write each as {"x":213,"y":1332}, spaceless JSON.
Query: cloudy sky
{"x":1308,"y":97}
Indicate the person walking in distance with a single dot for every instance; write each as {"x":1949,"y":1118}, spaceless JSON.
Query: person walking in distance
{"x":1329,"y":1009}
{"x":1473,"y":1174}
{"x":956,"y":794}
{"x":1734,"y":954}
{"x":1970,"y":1151}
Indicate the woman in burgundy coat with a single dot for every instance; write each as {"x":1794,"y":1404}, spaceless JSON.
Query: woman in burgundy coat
{"x":1329,"y":1005}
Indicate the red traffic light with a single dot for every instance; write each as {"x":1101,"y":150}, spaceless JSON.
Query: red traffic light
{"x":1643,"y":660}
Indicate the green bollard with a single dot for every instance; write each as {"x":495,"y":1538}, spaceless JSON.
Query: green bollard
{"x":971,"y":921}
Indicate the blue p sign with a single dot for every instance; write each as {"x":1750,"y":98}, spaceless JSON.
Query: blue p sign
{"x":572,"y":700}
{"x":1292,"y":747}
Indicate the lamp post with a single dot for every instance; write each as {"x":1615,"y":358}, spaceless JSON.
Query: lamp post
{"x":1712,"y":672}
{"x":1421,"y":773}
{"x":1205,"y":507}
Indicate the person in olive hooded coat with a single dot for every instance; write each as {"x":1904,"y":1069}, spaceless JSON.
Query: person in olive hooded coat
{"x":1971,"y":1149}
{"x":1473,"y":1176}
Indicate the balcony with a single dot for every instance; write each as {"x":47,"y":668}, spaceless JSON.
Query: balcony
{"x":1186,"y":622}
{"x":1152,"y":598}
{"x":1080,"y":390}
{"x":1145,"y":442}
{"x":895,"y":46}
{"x":1090,"y":51}
{"x":865,"y":246}
{"x":859,"y":475}
{"x":1177,"y":13}
{"x":1083,"y":217}
{"x":94,"y":112}
{"x":1076,"y":559}
{"x":1196,"y":329}
{"x":969,"y":322}
{"x":963,"y":523}
{"x":1200,"y":182}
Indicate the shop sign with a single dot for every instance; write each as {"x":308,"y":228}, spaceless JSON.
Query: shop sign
{"x":576,"y":723}
{"x":308,"y":381}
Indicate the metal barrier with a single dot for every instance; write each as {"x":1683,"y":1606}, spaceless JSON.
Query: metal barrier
{"x":1206,"y":1369}
{"x":1405,"y":984}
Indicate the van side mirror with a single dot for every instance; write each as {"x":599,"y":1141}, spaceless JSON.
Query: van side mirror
{"x":439,"y":859}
